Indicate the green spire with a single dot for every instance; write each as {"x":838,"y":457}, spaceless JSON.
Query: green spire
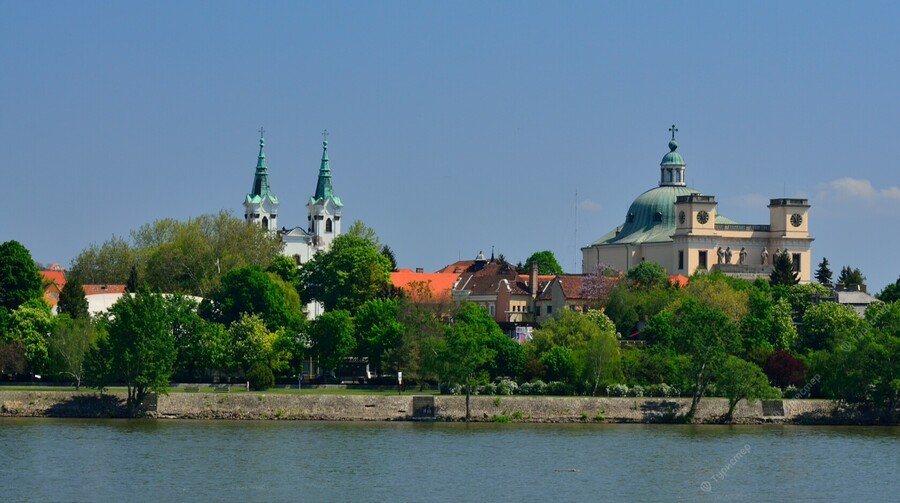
{"x":323,"y":186}
{"x":261,"y":179}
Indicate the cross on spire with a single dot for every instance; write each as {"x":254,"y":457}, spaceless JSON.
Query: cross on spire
{"x":674,"y":130}
{"x":325,"y":135}
{"x":262,"y":132}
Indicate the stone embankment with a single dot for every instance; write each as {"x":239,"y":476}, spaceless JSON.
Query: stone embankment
{"x":411,"y":407}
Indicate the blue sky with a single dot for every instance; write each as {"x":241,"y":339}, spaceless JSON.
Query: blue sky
{"x":454,"y":126}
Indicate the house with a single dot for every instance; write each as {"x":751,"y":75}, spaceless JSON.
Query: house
{"x":420,"y":286}
{"x":855,"y":297}
{"x":54,"y":278}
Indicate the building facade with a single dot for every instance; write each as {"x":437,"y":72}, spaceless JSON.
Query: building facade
{"x":682,"y":230}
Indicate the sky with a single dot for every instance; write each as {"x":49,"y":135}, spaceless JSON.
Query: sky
{"x":454,"y":127}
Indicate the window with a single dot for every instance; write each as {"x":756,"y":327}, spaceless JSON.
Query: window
{"x":297,"y":259}
{"x":680,"y":259}
{"x":796,"y":259}
{"x":702,"y":259}
{"x":265,"y":223}
{"x":491,"y":310}
{"x":537,"y":310}
{"x":549,"y":309}
{"x":328,"y":225}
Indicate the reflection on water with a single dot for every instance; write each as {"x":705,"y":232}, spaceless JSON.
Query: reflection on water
{"x":145,"y":460}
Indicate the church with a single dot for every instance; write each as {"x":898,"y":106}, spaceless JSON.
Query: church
{"x":682,"y":230}
{"x":323,"y":207}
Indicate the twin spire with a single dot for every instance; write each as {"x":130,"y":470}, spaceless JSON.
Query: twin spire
{"x":261,"y":187}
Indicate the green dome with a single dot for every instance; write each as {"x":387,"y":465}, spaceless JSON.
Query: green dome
{"x":651,"y":217}
{"x":673,"y":158}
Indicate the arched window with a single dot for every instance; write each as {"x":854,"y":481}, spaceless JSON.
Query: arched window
{"x":328,"y":225}
{"x":265,"y":222}
{"x":297,"y":259}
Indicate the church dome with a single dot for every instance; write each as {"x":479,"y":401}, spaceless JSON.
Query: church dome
{"x":651,"y":217}
{"x":672,"y":158}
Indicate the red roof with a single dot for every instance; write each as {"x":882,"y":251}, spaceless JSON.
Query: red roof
{"x":679,"y":280}
{"x":438,"y":283}
{"x":100,"y":289}
{"x":457,"y":267}
{"x":58,"y":277}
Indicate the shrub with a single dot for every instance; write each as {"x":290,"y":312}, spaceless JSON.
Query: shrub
{"x":487,"y":389}
{"x":507,"y":387}
{"x":261,"y":377}
{"x":558,"y":388}
{"x":617,"y":390}
{"x":536,"y":387}
{"x":661,"y":390}
{"x":636,"y":391}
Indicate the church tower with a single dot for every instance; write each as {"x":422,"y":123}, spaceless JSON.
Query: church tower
{"x":324,"y":207}
{"x":260,"y":205}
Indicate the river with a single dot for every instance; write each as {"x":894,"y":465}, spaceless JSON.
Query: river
{"x":171,"y":460}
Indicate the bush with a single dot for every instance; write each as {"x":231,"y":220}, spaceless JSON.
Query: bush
{"x":507,"y":387}
{"x":536,"y":387}
{"x":636,"y":391}
{"x":261,"y":377}
{"x":661,"y":390}
{"x":617,"y":390}
{"x":487,"y":389}
{"x":558,"y":388}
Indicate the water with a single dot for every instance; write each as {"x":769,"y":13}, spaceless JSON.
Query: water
{"x":143,"y":460}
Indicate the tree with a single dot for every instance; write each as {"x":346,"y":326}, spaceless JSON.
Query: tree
{"x":708,"y":337}
{"x":12,"y":358}
{"x":823,"y":273}
{"x":361,"y":230}
{"x":850,"y":278}
{"x":784,"y":370}
{"x":107,"y":264}
{"x":138,"y":349}
{"x":287,"y":270}
{"x":715,"y":290}
{"x":19,"y":277}
{"x":31,"y":324}
{"x":891,"y":293}
{"x":828,"y":325}
{"x":255,"y":344}
{"x":69,"y":344}
{"x":132,"y":286}
{"x":250,"y":290}
{"x":331,"y":335}
{"x":741,"y":380}
{"x":72,"y":300}
{"x":783,"y":272}
{"x":202,"y":345}
{"x":389,"y":255}
{"x":348,"y":275}
{"x":647,"y":276}
{"x":378,"y":329}
{"x":546,"y":262}
{"x":465,"y":351}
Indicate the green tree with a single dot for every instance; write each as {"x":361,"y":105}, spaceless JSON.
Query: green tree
{"x":823,"y":273}
{"x":250,"y":290}
{"x":828,"y":325}
{"x":891,"y":293}
{"x":202,"y":346}
{"x":346,"y":277}
{"x":286,"y":269}
{"x":361,"y":230}
{"x":466,"y":351}
{"x":138,"y":349}
{"x":647,"y":276}
{"x":546,"y":262}
{"x":109,"y":263}
{"x":715,"y":290}
{"x":72,"y":300}
{"x":255,"y":344}
{"x":378,"y":329}
{"x":332,"y":338}
{"x":708,"y":337}
{"x":69,"y":343}
{"x":389,"y":255}
{"x":850,"y":277}
{"x":12,"y":358}
{"x":19,"y":277}
{"x":783,"y":272}
{"x":31,"y":324}
{"x":602,"y":358}
{"x":741,"y":380}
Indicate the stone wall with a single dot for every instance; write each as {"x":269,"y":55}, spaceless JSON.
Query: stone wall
{"x":406,"y":407}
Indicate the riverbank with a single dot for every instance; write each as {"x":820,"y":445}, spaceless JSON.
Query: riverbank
{"x":409,"y":407}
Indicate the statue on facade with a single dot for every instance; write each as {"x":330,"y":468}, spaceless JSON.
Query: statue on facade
{"x":728,"y":255}
{"x":742,"y":255}
{"x":720,"y":254}
{"x":765,"y":256}
{"x":777,"y":253}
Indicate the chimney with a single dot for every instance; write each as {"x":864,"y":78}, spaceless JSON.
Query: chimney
{"x":534,"y":280}
{"x":420,"y":269}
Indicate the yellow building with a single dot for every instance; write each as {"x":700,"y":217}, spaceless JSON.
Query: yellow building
{"x":681,"y":229}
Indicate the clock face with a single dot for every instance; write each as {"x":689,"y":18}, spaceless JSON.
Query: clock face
{"x":681,"y":217}
{"x":703,"y":217}
{"x":796,"y":219}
